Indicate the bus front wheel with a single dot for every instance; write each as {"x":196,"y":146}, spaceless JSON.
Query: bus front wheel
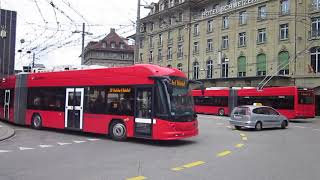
{"x":118,"y":131}
{"x":36,"y":121}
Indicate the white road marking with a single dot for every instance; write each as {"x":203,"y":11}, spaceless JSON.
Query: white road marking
{"x":93,"y":139}
{"x":316,"y":129}
{"x":4,"y":151}
{"x":62,"y":144}
{"x":79,"y":142}
{"x":1,"y":126}
{"x":45,"y":146}
{"x":300,"y":127}
{"x":25,"y":148}
{"x":219,"y":123}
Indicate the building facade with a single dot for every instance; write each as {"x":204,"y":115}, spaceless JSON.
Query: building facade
{"x":236,"y":42}
{"x":8,"y":23}
{"x":111,"y":51}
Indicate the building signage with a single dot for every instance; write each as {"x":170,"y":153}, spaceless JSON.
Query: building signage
{"x":228,"y":7}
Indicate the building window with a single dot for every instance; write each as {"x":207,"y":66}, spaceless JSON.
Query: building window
{"x":181,"y":1}
{"x":315,"y":59}
{"x":160,"y":40}
{"x":225,"y":22}
{"x":242,"y":39}
{"x":224,"y":67}
{"x":262,"y":12}
{"x":316,"y":4}
{"x":261,"y":65}
{"x":315,"y":27}
{"x":180,"y":51}
{"x":209,"y":69}
{"x":159,"y":55}
{"x":171,"y":3}
{"x":283,"y":63}
{"x":180,"y":17}
{"x":196,"y":30}
{"x":150,"y":56}
{"x":262,"y":36}
{"x":179,"y":66}
{"x":196,"y":70}
{"x":161,"y":6}
{"x":210,"y":26}
{"x":122,"y":56}
{"x":141,"y":58}
{"x":141,"y":43}
{"x":225,"y":42}
{"x":104,"y":45}
{"x":169,"y":53}
{"x":284,"y":7}
{"x":113,"y":45}
{"x":151,"y":41}
{"x":151,"y":26}
{"x":284,"y":31}
{"x":209,"y":45}
{"x":196,"y":47}
{"x":243,"y":17}
{"x":169,"y":66}
{"x":121,"y":45}
{"x":242,"y":66}
{"x":170,"y":37}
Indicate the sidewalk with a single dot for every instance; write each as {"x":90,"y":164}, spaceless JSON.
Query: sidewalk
{"x":5,"y":131}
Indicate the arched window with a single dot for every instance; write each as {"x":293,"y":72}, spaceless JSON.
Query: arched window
{"x":169,"y":66}
{"x":179,"y":66}
{"x":209,"y":69}
{"x":261,"y":65}
{"x":195,"y":70}
{"x":242,"y":66}
{"x":315,"y":59}
{"x":283,"y":63}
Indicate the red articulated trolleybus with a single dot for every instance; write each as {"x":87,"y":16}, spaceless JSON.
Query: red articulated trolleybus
{"x":291,"y":101}
{"x":144,"y":101}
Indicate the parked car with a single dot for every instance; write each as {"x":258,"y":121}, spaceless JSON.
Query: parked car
{"x":257,"y":117}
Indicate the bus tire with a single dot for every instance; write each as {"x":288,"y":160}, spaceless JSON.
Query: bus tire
{"x":118,"y":130}
{"x":36,"y":121}
{"x":258,"y":126}
{"x":221,"y":112}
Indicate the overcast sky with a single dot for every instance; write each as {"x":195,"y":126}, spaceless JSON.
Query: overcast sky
{"x":46,"y":28}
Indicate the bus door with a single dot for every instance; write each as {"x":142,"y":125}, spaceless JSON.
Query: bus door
{"x":74,"y":108}
{"x":6,"y":104}
{"x":143,"y":112}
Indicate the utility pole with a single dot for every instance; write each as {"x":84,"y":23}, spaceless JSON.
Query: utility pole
{"x":83,"y":34}
{"x":33,"y":59}
{"x":137,"y":38}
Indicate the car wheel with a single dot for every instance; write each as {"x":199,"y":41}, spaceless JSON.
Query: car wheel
{"x":237,"y":127}
{"x":221,"y":112}
{"x":118,"y":131}
{"x":283,"y":124}
{"x":258,"y":126}
{"x":36,"y":121}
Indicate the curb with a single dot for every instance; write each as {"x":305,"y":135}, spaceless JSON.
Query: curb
{"x":6,"y":132}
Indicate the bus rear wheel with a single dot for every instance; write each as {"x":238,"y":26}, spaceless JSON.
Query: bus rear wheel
{"x":36,"y":121}
{"x":118,"y":131}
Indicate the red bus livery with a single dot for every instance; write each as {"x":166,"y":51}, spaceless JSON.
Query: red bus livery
{"x":290,"y":101}
{"x":144,"y":101}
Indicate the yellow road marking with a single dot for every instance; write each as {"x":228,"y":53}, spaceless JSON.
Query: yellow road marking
{"x":239,"y":145}
{"x":197,"y":163}
{"x":241,"y":134}
{"x":190,"y":165}
{"x":223,"y":153}
{"x":177,"y":169}
{"x":137,"y":178}
{"x":244,"y":138}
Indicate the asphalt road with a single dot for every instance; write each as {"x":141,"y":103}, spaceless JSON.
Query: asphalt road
{"x":219,"y":152}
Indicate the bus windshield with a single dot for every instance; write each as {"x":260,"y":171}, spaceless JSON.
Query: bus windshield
{"x":181,"y":101}
{"x":305,"y":97}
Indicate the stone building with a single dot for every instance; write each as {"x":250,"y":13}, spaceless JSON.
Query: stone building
{"x":111,"y":51}
{"x":236,"y":42}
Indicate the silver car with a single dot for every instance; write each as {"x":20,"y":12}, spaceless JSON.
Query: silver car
{"x":257,"y":117}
